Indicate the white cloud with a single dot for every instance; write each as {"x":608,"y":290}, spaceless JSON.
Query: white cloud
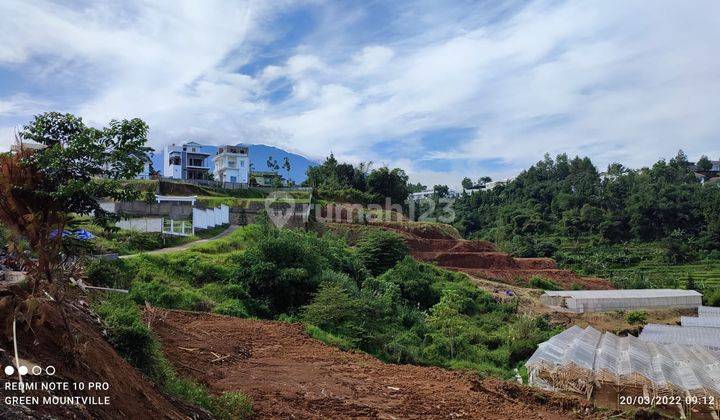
{"x":628,"y":81}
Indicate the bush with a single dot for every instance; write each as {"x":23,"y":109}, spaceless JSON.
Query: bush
{"x":328,"y":338}
{"x":172,"y":296}
{"x":713,"y":298}
{"x":636,"y":317}
{"x":108,"y":273}
{"x":333,"y":309}
{"x":543,"y":283}
{"x":380,"y":250}
{"x":231,"y":406}
{"x":128,"y":334}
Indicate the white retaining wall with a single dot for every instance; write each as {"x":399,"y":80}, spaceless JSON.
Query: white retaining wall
{"x":149,"y":224}
{"x":208,"y":218}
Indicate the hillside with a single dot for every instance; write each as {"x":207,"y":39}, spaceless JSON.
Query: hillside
{"x":440,"y":244}
{"x":288,"y":374}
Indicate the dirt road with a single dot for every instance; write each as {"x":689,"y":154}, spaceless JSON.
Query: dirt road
{"x":288,"y":374}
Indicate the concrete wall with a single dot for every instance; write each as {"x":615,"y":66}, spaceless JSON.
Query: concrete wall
{"x":171,"y":210}
{"x":145,"y":224}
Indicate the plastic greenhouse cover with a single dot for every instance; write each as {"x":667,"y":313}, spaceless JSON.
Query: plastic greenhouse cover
{"x":691,"y":368}
{"x":703,"y":321}
{"x":667,"y":334}
{"x":708,"y":311}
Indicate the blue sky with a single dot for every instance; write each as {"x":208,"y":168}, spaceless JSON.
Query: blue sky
{"x":442,"y":89}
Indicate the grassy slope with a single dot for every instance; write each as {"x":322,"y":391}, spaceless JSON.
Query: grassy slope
{"x":634,"y":260}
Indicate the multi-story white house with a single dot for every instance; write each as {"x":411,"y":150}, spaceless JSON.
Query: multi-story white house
{"x":186,"y":161}
{"x":145,"y":173}
{"x":232,"y":164}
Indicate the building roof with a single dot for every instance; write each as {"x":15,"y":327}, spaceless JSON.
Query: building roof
{"x":621,"y":293}
{"x":630,"y":360}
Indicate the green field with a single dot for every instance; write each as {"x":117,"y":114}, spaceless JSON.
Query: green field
{"x":637,"y":264}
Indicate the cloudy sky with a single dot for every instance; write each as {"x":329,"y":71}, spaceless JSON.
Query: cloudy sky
{"x":445,"y":89}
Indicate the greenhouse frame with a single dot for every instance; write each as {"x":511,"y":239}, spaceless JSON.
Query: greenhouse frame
{"x":668,"y":334}
{"x":610,"y":300}
{"x":603,"y":366}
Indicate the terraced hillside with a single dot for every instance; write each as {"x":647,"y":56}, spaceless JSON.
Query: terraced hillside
{"x":442,"y":245}
{"x":637,"y":262}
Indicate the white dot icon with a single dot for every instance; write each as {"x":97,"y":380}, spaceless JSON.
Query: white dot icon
{"x":9,"y":370}
{"x":23,"y":370}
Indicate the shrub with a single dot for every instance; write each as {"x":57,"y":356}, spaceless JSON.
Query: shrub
{"x":173,"y":296}
{"x":127,"y":333}
{"x":380,"y":250}
{"x":108,"y":273}
{"x":713,"y":298}
{"x":231,"y":406}
{"x":416,"y":281}
{"x":333,"y":309}
{"x":328,"y":338}
{"x":543,"y":283}
{"x":636,"y":317}
{"x":232,"y":307}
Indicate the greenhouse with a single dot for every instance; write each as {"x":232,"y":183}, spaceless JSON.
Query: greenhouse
{"x":708,"y":311}
{"x":703,"y":321}
{"x":603,"y":366}
{"x":668,"y":334}
{"x":610,"y":300}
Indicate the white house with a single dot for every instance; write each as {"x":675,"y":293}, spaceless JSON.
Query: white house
{"x":145,"y":173}
{"x":232,"y":164}
{"x":186,"y":161}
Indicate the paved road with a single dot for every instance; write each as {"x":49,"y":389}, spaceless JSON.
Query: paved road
{"x":226,"y":232}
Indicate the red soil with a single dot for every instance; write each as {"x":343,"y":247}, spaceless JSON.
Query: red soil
{"x":290,"y":375}
{"x":86,"y":358}
{"x":428,"y":242}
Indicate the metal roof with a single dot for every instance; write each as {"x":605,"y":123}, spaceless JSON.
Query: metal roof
{"x":622,"y":293}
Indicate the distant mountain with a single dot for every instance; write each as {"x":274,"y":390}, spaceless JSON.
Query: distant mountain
{"x":259,"y":154}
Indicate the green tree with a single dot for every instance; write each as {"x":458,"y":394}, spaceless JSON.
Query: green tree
{"x":449,"y":328}
{"x":380,"y":250}
{"x":388,"y":183}
{"x":467,"y":183}
{"x":41,"y":190}
{"x":440,"y":191}
{"x":704,"y":164}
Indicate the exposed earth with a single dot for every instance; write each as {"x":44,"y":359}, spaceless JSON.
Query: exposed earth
{"x":289,"y":374}
{"x":86,"y":358}
{"x":479,"y":259}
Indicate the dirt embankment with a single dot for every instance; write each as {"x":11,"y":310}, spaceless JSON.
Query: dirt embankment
{"x":87,"y":358}
{"x":441,"y":244}
{"x":288,"y":374}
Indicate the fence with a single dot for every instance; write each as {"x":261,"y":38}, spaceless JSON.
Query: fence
{"x":208,"y":218}
{"x":177,"y":227}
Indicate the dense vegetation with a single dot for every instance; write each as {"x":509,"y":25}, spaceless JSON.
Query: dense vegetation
{"x":343,"y":182}
{"x":372,"y":297}
{"x":563,"y":208}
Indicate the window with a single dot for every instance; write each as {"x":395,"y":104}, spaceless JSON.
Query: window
{"x":242,"y":163}
{"x":174,"y":160}
{"x":233,"y":179}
